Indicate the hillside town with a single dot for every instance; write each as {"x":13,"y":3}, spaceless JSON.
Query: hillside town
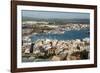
{"x":33,"y":27}
{"x":57,"y":50}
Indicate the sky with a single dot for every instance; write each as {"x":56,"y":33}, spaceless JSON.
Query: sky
{"x":54,"y":14}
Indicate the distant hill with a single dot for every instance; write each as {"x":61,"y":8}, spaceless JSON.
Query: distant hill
{"x":58,"y":20}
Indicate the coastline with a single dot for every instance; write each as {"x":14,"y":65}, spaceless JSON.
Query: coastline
{"x":47,"y":49}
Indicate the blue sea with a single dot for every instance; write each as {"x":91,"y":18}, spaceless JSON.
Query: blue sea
{"x":68,"y":35}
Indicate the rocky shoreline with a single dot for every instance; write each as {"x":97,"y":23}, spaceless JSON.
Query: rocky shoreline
{"x":54,"y":50}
